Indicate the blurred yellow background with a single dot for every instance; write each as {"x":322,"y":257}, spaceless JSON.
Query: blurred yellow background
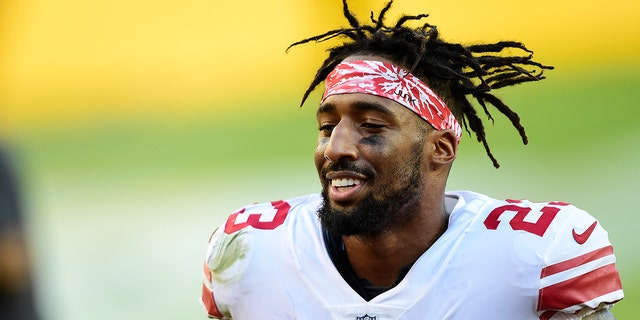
{"x":137,"y":126}
{"x":71,"y":60}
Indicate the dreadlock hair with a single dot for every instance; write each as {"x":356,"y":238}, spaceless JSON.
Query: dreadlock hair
{"x":454,"y":71}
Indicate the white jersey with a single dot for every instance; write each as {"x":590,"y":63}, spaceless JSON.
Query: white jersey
{"x":497,"y":260}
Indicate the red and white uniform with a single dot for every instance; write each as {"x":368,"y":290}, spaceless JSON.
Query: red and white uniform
{"x":497,"y":260}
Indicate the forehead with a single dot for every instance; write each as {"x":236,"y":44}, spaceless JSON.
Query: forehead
{"x":361,"y":103}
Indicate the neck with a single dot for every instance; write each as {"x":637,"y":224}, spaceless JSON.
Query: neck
{"x":380,"y":258}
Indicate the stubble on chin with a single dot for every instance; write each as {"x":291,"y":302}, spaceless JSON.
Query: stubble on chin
{"x":372,"y":215}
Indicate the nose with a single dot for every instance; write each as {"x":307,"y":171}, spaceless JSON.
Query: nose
{"x":342,"y":143}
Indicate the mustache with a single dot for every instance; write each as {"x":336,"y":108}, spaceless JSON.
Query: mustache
{"x":347,"y":166}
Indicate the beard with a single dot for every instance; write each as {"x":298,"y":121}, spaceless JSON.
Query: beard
{"x":384,"y":207}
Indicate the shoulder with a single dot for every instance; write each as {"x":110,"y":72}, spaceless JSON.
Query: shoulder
{"x":271,"y":215}
{"x":553,"y":220}
{"x":254,"y":229}
{"x":559,"y":230}
{"x":549,"y":233}
{"x":259,"y":226}
{"x":577,"y":263}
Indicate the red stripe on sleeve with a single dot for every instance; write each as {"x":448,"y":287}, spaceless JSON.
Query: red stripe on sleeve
{"x":580,"y":289}
{"x":577,"y":261}
{"x":207,"y":273}
{"x":210,"y":303}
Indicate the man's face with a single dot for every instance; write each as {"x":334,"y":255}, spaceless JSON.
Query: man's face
{"x":373,"y":174}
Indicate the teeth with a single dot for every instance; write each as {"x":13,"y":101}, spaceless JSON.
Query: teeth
{"x":345,"y":182}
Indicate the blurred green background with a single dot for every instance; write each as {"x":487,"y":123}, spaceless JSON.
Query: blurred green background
{"x":138,"y":126}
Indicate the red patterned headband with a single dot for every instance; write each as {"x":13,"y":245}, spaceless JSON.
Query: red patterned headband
{"x":388,"y":81}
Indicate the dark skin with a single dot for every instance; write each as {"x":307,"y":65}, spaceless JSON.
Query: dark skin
{"x":378,"y":138}
{"x":377,"y":134}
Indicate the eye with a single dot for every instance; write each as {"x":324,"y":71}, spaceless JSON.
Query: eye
{"x":373,"y":126}
{"x":326,"y":129}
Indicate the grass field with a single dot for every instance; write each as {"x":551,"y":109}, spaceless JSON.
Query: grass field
{"x":120,"y":212}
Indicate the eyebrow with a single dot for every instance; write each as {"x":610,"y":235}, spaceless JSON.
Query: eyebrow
{"x":359,"y":105}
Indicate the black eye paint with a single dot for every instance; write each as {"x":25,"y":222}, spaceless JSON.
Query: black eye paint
{"x":323,"y":141}
{"x":372,"y":140}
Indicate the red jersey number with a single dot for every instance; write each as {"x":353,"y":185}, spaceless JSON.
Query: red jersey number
{"x":518,"y":223}
{"x":268,"y":219}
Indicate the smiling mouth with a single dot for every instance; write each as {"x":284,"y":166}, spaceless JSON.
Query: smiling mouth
{"x":345,"y":184}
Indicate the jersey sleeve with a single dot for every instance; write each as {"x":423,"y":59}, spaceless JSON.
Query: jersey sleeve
{"x":230,"y":254}
{"x":579,"y":273}
{"x":207,"y":299}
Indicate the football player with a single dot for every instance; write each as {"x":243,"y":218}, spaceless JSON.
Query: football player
{"x":384,"y":240}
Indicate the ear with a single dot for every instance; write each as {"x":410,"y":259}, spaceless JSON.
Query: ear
{"x":445,"y":147}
